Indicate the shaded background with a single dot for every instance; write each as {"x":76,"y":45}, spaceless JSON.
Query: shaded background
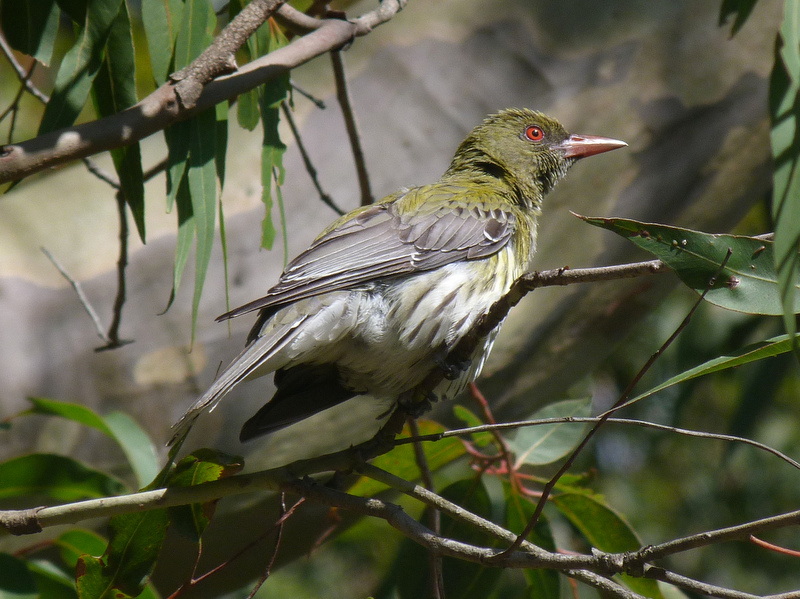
{"x":689,"y":99}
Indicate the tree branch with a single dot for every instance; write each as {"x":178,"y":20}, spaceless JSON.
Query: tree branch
{"x":163,"y":107}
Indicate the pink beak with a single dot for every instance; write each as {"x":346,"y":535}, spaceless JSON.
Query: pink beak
{"x":581,"y":146}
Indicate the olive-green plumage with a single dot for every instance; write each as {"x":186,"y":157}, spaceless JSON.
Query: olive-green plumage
{"x":385,"y":292}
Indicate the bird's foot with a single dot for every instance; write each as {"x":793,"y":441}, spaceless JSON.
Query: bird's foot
{"x":417,"y":404}
{"x":452,"y":368}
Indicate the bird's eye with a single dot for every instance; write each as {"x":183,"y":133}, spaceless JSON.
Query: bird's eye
{"x":534,"y":133}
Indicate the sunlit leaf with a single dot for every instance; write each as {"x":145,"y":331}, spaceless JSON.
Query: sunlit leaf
{"x":272,"y":94}
{"x":471,"y":420}
{"x":71,"y":411}
{"x":161,"y":20}
{"x":131,"y":554}
{"x":201,"y":177}
{"x":77,"y":542}
{"x":201,"y":466}
{"x":402,"y":462}
{"x":748,"y":283}
{"x":51,"y":581}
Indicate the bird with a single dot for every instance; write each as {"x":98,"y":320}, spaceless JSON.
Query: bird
{"x":383,"y":294}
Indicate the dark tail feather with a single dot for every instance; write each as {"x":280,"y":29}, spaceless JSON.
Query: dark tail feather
{"x":302,"y":392}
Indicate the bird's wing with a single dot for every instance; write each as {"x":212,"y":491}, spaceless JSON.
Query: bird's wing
{"x":383,"y":242}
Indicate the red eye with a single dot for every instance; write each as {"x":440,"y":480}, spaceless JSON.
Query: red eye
{"x":534,"y":133}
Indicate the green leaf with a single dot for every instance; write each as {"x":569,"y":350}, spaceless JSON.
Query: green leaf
{"x":748,"y":283}
{"x":55,"y":476}
{"x":161,"y":20}
{"x":79,"y":67}
{"x":70,"y":411}
{"x":471,"y":420}
{"x":16,"y":581}
{"x":462,"y":579}
{"x":30,"y":27}
{"x":751,"y":353}
{"x":606,"y":530}
{"x":51,"y":581}
{"x":197,"y":19}
{"x":136,"y":444}
{"x":129,"y":559}
{"x":131,"y":438}
{"x":740,"y":8}
{"x":272,"y":148}
{"x":201,"y":177}
{"x":542,"y":584}
{"x":113,"y":90}
{"x":402,"y":462}
{"x":221,"y":146}
{"x":77,"y":542}
{"x":546,"y":443}
{"x":186,"y":231}
{"x":784,"y":110}
{"x":201,"y":466}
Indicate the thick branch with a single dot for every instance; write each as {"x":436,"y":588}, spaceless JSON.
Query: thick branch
{"x":163,"y":108}
{"x":220,"y":57}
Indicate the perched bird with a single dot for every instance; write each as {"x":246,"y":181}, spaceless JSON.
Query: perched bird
{"x":385,"y":292}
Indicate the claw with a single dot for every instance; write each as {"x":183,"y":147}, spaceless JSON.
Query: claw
{"x":452,"y":369}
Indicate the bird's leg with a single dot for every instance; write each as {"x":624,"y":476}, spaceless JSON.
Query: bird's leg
{"x":415,"y":403}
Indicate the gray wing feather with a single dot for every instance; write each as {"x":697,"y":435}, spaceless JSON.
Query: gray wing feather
{"x":380,"y":243}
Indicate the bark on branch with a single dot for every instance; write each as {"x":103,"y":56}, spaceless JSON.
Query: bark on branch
{"x":178,"y":99}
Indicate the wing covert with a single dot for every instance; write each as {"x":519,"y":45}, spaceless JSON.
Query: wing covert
{"x":383,"y":242}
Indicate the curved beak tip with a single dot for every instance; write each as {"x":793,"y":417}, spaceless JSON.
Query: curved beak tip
{"x":581,"y":146}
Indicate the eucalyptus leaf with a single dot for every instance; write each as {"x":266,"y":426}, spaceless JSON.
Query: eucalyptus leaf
{"x":31,"y":27}
{"x":402,"y":462}
{"x":751,"y":353}
{"x":784,"y":96}
{"x":79,"y":66}
{"x":546,"y":443}
{"x":748,"y":282}
{"x":136,"y":444}
{"x":55,"y":476}
{"x":16,"y":581}
{"x":606,"y":530}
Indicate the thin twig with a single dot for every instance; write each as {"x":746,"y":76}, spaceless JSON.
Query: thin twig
{"x":100,"y":173}
{"x":550,"y":485}
{"x":460,"y":432}
{"x":81,"y":296}
{"x":343,"y":96}
{"x":312,"y":172}
{"x":23,"y":77}
{"x":434,"y":516}
{"x":772,"y":547}
{"x":279,"y":527}
{"x":122,"y":264}
{"x":308,"y":96}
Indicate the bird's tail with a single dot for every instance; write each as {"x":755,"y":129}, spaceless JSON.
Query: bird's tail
{"x":255,"y":356}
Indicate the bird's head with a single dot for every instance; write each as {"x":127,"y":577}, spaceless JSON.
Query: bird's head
{"x":527,"y":150}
